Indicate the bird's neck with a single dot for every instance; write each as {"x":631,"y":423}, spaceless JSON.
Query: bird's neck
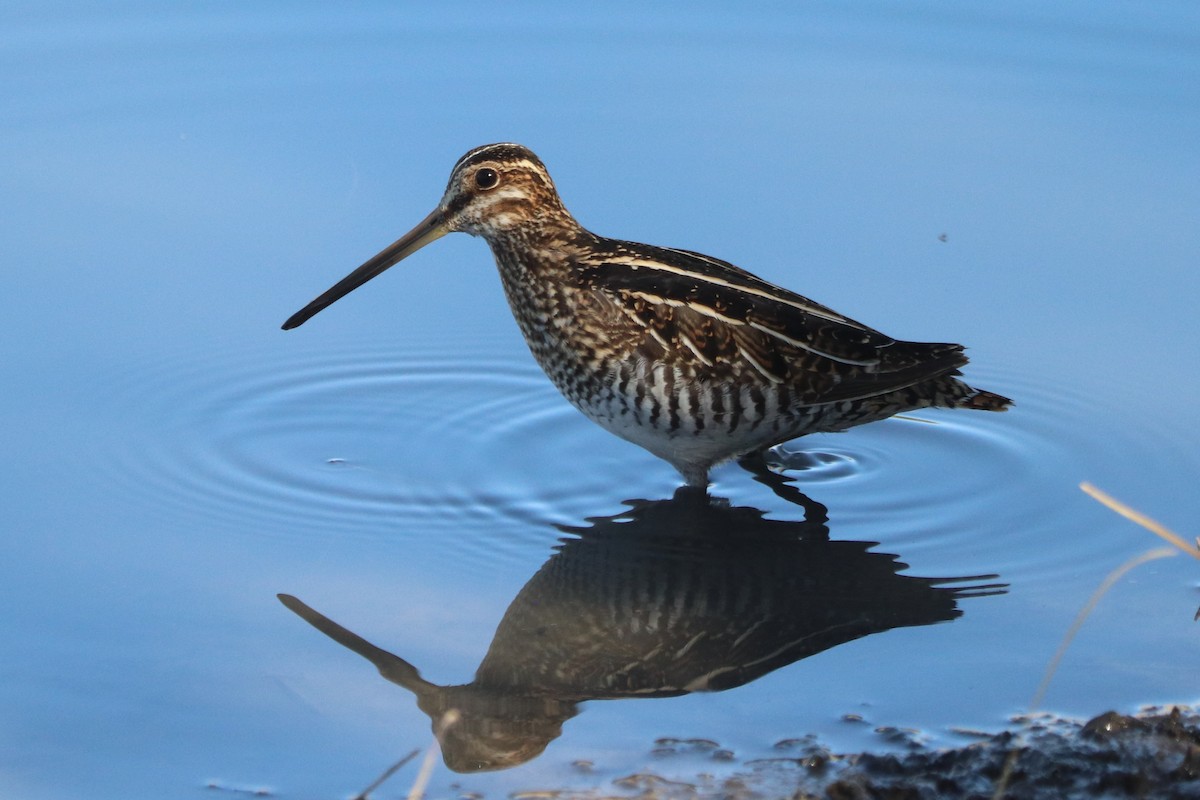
{"x":540,"y":268}
{"x":542,"y":249}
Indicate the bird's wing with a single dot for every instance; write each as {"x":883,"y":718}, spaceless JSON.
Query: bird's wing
{"x":714,"y":288}
{"x":698,"y":307}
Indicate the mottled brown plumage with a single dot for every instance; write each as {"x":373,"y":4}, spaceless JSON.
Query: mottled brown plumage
{"x":688,"y":356}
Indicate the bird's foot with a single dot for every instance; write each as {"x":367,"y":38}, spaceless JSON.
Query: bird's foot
{"x":782,"y":485}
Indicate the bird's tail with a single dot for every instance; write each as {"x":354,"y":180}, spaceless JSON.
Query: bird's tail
{"x":983,"y":400}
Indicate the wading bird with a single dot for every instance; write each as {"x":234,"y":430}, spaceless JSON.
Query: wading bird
{"x":690,"y":357}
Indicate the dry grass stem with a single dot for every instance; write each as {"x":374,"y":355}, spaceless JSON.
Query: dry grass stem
{"x":422,"y":780}
{"x":1162,"y":552}
{"x":1141,"y":519}
{"x":389,"y":772}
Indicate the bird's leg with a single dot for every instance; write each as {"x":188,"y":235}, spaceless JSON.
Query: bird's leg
{"x":696,"y":477}
{"x":782,"y":485}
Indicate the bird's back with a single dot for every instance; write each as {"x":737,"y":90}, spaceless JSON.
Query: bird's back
{"x":699,"y":361}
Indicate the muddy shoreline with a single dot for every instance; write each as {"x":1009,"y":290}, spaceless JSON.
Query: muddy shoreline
{"x":1152,"y":754}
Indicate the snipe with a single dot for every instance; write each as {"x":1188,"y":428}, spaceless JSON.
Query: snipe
{"x":690,"y":357}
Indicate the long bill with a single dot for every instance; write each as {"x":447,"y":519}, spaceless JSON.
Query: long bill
{"x":428,"y":230}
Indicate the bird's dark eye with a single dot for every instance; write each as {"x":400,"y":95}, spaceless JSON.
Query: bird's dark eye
{"x":486,"y":178}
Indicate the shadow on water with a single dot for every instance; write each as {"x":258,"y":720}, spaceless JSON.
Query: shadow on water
{"x":666,"y":598}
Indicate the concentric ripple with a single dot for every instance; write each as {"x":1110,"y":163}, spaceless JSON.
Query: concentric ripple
{"x":408,"y":443}
{"x":389,"y":442}
{"x":1002,"y":488}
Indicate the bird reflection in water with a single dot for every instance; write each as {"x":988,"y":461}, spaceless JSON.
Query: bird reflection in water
{"x":669,"y":597}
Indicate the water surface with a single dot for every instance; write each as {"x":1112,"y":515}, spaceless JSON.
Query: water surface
{"x":177,"y":181}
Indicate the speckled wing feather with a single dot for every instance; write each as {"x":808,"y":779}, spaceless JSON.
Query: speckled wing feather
{"x":695,"y":307}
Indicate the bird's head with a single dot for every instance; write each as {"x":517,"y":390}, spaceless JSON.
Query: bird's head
{"x":494,"y":191}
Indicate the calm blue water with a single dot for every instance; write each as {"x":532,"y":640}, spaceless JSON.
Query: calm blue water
{"x":177,"y":180}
